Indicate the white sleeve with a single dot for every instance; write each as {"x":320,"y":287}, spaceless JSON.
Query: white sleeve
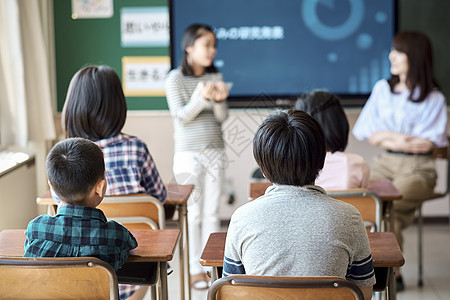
{"x":433,"y":124}
{"x":369,"y":119}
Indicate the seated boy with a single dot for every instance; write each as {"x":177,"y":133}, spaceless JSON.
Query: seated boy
{"x":295,"y":229}
{"x":76,"y":173}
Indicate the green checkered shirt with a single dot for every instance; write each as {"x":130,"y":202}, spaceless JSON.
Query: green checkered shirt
{"x":78,"y":231}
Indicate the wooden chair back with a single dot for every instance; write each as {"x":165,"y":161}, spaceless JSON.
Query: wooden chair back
{"x":57,"y":278}
{"x":283,"y":288}
{"x":258,"y":189}
{"x":368,"y":203}
{"x":135,"y":211}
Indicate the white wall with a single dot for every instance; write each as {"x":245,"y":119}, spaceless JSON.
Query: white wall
{"x":18,"y":198}
{"x":156,"y":129}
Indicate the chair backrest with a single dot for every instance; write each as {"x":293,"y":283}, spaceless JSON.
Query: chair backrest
{"x":135,"y":211}
{"x":282,"y":288}
{"x":258,"y":188}
{"x":57,"y":278}
{"x":368,"y":203}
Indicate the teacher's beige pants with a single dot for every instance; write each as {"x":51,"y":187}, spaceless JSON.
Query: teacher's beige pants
{"x":414,"y":176}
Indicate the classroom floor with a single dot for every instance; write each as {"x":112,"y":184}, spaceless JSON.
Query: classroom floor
{"x":436,"y":267}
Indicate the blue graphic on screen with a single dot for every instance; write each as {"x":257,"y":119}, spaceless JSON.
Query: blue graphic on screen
{"x":287,"y":47}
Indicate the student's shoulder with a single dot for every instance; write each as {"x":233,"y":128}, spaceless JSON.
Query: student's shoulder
{"x":343,"y":211}
{"x":175,"y":75}
{"x":330,"y":204}
{"x":253,"y":209}
{"x":42,"y":218}
{"x":119,"y":229}
{"x":120,"y":232}
{"x":37,"y":223}
{"x":133,"y":140}
{"x":245,"y":210}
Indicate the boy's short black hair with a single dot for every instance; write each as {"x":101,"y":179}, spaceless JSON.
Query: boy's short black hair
{"x":289,"y":147}
{"x":326,"y":109}
{"x":74,"y":166}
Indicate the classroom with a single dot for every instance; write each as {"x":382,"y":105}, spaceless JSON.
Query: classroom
{"x":272,"y":56}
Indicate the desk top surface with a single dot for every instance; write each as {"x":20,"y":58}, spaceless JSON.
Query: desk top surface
{"x":384,"y":246}
{"x":176,"y":194}
{"x":384,"y":189}
{"x":153,"y":245}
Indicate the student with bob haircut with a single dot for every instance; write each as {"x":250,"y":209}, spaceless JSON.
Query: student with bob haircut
{"x":295,"y":229}
{"x":96,"y":109}
{"x":407,"y":116}
{"x":76,"y":173}
{"x":342,"y":170}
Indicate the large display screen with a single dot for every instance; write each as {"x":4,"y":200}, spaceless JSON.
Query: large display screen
{"x":276,"y":49}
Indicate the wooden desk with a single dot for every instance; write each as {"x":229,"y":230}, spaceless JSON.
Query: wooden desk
{"x":176,"y":195}
{"x":386,"y":255}
{"x":153,"y":246}
{"x":383,"y":188}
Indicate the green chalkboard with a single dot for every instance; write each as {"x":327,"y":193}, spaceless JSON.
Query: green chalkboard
{"x":432,"y":18}
{"x":83,"y":42}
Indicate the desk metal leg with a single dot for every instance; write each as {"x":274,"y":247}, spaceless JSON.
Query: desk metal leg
{"x":181,"y":250}
{"x":391,"y":289}
{"x":163,"y":277}
{"x":186,"y":252}
{"x":153,"y":291}
{"x":183,"y":245}
{"x":389,"y":217}
{"x":214,"y":274}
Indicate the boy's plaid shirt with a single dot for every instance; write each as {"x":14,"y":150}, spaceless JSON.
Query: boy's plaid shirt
{"x":78,"y":231}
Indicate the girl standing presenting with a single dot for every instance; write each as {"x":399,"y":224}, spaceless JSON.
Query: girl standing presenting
{"x":196,"y":97}
{"x":407,"y":116}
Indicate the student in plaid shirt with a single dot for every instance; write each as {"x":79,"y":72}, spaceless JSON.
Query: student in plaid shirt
{"x":76,"y":174}
{"x":96,"y":109}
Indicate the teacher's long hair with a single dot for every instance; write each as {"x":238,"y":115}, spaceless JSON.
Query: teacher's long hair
{"x":417,"y":47}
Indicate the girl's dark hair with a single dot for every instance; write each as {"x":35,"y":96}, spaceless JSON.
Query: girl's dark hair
{"x":289,"y":147}
{"x":95,"y":105}
{"x":191,"y":34}
{"x":326,"y":109}
{"x":417,"y":47}
{"x":73,"y":167}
